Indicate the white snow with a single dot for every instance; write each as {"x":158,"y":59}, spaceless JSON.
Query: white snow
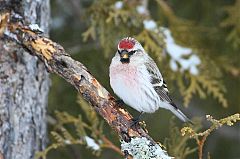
{"x":91,"y":143}
{"x":175,"y":50}
{"x":193,"y":70}
{"x":15,"y":15}
{"x":141,"y":9}
{"x":150,"y":25}
{"x":119,"y":5}
{"x":177,"y":54}
{"x":195,"y":59}
{"x":67,"y":141}
{"x":173,"y":65}
{"x":35,"y":27}
{"x":10,"y":34}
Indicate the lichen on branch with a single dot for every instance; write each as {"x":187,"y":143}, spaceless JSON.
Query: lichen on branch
{"x":141,"y":147}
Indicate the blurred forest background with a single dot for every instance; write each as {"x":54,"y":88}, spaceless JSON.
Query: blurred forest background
{"x":200,"y":65}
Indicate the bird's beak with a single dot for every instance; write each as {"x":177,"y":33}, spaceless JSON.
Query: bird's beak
{"x":124,"y":56}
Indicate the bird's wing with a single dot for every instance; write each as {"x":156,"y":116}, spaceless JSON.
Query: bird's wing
{"x":160,"y":87}
{"x":157,"y":81}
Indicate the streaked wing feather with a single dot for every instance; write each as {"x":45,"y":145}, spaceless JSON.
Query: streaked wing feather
{"x":156,"y":77}
{"x":163,"y":94}
{"x":159,"y":84}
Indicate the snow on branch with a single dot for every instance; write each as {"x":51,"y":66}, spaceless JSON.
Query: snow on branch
{"x":59,"y":62}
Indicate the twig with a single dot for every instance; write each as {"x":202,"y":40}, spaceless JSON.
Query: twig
{"x":202,"y":136}
{"x":109,"y":144}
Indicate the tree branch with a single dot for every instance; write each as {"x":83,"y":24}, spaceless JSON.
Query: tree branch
{"x":58,"y":61}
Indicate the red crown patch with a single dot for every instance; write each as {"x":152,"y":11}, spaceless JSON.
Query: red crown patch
{"x":126,"y":44}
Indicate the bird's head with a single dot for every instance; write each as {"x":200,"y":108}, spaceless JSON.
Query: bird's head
{"x":127,"y":48}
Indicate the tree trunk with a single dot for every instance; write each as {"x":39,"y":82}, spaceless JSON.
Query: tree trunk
{"x":24,"y":86}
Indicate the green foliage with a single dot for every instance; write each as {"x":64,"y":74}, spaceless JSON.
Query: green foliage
{"x":64,"y":136}
{"x":107,"y":23}
{"x":233,"y":22}
{"x":202,"y":85}
{"x":110,"y":24}
{"x":152,"y":42}
{"x":207,"y":81}
{"x":202,"y":136}
{"x":176,"y":144}
{"x":230,"y":120}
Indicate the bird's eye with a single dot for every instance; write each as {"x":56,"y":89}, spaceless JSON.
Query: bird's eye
{"x":129,"y":53}
{"x":132,"y":52}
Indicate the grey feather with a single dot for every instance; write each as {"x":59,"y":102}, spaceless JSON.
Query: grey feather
{"x":160,"y":87}
{"x":157,"y":81}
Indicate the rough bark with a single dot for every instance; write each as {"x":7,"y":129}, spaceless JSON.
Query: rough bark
{"x":24,"y":86}
{"x":58,"y":61}
{"x":136,"y":141}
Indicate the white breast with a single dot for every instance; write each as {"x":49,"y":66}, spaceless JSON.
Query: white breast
{"x":132,"y":85}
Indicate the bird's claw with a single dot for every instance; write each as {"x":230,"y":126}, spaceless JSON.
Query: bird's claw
{"x":120,"y":102}
{"x":134,"y":122}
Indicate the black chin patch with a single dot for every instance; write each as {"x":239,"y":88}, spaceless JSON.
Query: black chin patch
{"x":125,"y":60}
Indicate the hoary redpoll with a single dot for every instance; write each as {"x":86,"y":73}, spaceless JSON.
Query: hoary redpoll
{"x":136,"y":79}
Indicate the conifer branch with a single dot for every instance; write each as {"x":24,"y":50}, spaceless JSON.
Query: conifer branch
{"x":59,"y":62}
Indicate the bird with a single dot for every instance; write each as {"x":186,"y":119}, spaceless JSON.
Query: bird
{"x":137,"y":81}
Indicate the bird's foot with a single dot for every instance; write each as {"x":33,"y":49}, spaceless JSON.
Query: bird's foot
{"x":120,"y":102}
{"x":136,"y":121}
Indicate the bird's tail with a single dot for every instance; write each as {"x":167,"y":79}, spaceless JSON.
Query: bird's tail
{"x":180,"y":114}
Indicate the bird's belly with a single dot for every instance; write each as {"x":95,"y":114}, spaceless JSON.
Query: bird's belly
{"x":135,"y":91}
